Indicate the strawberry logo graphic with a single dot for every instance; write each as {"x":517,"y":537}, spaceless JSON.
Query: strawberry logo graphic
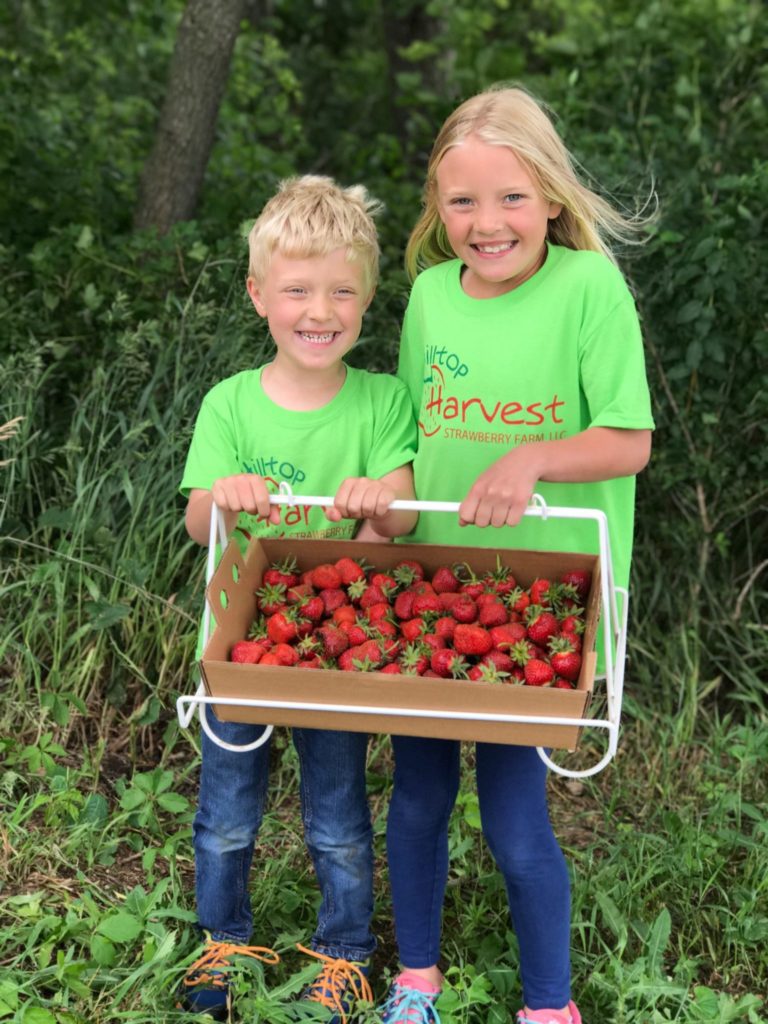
{"x":433,"y":385}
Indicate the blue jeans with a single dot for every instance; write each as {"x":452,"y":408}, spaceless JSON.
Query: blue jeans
{"x":511,"y":786}
{"x":337,"y":831}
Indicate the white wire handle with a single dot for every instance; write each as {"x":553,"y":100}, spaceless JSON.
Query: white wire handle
{"x":614,"y":627}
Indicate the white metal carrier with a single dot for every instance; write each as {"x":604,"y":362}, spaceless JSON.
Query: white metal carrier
{"x":614,"y":631}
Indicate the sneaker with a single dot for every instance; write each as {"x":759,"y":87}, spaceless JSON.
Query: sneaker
{"x":411,"y":1000}
{"x":205,"y":989}
{"x":572,"y":1016}
{"x":339,"y":985}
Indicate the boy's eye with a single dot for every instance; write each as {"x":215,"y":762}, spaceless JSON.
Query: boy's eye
{"x":345,"y":292}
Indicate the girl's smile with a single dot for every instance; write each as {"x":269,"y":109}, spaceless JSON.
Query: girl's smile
{"x":495,"y":217}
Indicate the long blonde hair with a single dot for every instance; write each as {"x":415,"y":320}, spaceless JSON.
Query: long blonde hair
{"x":510,"y":116}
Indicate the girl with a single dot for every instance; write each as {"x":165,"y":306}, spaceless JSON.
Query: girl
{"x":522,"y":353}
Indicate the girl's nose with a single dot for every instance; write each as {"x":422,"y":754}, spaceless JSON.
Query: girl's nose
{"x":487,"y":219}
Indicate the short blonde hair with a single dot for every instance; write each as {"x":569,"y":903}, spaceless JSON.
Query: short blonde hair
{"x":510,"y":116}
{"x":312,"y":216}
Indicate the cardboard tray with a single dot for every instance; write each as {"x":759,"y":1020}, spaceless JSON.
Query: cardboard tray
{"x":395,"y":700}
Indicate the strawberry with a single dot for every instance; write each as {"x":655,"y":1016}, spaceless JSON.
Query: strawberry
{"x":471,"y":639}
{"x":365,"y":657}
{"x":540,"y":624}
{"x":404,"y":604}
{"x":408,"y":572}
{"x":580,"y":580}
{"x":411,"y":629}
{"x":383,"y":627}
{"x":538,"y":592}
{"x":445,"y":627}
{"x":538,"y":672}
{"x":282,"y":628}
{"x":282,"y":573}
{"x":334,"y":640}
{"x":564,"y":659}
{"x":270,"y":598}
{"x":374,"y":594}
{"x":445,"y":580}
{"x":522,"y":652}
{"x":284,"y":653}
{"x":377,"y":612}
{"x":500,"y":581}
{"x":349,"y":570}
{"x":574,"y":639}
{"x":312,"y":608}
{"x":493,"y":614}
{"x":345,"y":613}
{"x":517,"y":600}
{"x":432,"y":641}
{"x":392,"y":669}
{"x":464,"y":609}
{"x":313,"y":662}
{"x":499,"y":660}
{"x":355,"y":632}
{"x":248,"y":652}
{"x":385,"y":581}
{"x":300,"y":592}
{"x":308,"y":647}
{"x":426,"y":603}
{"x":562,"y":684}
{"x":470,"y":583}
{"x":504,"y":636}
{"x":486,"y":597}
{"x":572,"y":623}
{"x":487,"y":672}
{"x":414,"y":659}
{"x":390,"y":647}
{"x":448,"y":599}
{"x":333,"y":598}
{"x":326,"y":577}
{"x":447,"y":663}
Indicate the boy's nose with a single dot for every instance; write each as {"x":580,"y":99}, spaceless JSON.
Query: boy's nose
{"x":320,"y":308}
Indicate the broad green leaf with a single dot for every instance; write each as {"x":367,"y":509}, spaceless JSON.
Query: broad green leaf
{"x":103,"y":951}
{"x":173,"y":802}
{"x":120,"y":927}
{"x":658,"y":938}
{"x":37,"y":1015}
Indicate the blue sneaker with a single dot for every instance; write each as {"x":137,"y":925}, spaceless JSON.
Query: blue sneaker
{"x":339,"y":985}
{"x":205,"y":989}
{"x":411,"y":1000}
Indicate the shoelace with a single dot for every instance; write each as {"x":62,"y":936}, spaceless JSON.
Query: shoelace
{"x":328,"y":987}
{"x":409,"y":1001}
{"x":208,"y":969}
{"x":522,"y":1019}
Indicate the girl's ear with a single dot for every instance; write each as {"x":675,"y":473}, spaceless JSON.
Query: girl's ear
{"x":255,"y":293}
{"x":555,"y":209}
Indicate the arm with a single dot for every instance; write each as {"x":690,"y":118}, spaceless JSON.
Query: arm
{"x":243,"y":492}
{"x":500,"y":495}
{"x":364,"y":498}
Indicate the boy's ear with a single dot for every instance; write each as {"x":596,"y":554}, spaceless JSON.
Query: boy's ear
{"x":369,"y":300}
{"x":255,"y":293}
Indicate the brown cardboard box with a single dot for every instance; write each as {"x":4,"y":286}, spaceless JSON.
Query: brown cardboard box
{"x":394,"y":700}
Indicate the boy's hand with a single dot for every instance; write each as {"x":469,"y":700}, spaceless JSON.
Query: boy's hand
{"x":359,"y":497}
{"x":500,"y":495}
{"x":245,"y":492}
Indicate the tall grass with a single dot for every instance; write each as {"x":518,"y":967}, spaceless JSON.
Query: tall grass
{"x":100,"y":591}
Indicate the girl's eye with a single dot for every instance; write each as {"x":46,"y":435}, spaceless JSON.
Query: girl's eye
{"x":460,"y":201}
{"x":513,"y":197}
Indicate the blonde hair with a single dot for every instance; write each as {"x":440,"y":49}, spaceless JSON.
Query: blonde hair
{"x":312,"y":216}
{"x":510,"y":116}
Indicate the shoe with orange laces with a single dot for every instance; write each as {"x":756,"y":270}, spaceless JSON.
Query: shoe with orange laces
{"x":571,"y":1016}
{"x":205,"y":988}
{"x":339,"y":985}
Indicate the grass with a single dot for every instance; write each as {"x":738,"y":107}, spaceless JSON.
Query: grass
{"x":100,"y":591}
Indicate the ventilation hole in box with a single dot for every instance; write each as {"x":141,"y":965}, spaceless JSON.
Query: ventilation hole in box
{"x":235,"y":572}
{"x":223,"y":599}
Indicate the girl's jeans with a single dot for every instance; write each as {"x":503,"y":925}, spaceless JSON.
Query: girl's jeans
{"x":337,"y":830}
{"x":511,"y":786}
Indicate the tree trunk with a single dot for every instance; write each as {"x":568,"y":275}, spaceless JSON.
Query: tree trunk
{"x":173,"y":174}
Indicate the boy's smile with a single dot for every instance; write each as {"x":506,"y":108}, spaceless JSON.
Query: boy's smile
{"x":494,"y":215}
{"x":314,"y":306}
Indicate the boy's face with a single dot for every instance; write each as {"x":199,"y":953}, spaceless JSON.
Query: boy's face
{"x":314,"y":307}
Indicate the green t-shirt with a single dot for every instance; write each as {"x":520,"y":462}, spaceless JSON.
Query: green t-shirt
{"x":367,"y":429}
{"x":561,"y":353}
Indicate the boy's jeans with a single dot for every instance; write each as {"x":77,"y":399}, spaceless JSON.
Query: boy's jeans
{"x":337,"y":830}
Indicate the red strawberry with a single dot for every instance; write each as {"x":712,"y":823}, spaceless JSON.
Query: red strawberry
{"x":538,"y":672}
{"x":374,"y":594}
{"x":538,"y":592}
{"x":487,"y":672}
{"x":564,"y":659}
{"x":445,"y":626}
{"x":385,"y":581}
{"x":385,"y":628}
{"x":333,"y":598}
{"x":432,"y":641}
{"x":411,"y":629}
{"x":445,"y":580}
{"x":349,"y":570}
{"x":284,"y":653}
{"x":517,"y":600}
{"x":392,"y":669}
{"x":248,"y":652}
{"x":470,"y":583}
{"x":345,"y":613}
{"x":414,"y":659}
{"x":326,"y":577}
{"x":313,"y":608}
{"x":355,"y":633}
{"x":540,"y":624}
{"x":562,"y":684}
{"x":574,"y":639}
{"x":313,"y":662}
{"x":282,"y":628}
{"x":492,"y":614}
{"x":580,"y":579}
{"x":499,"y":660}
{"x":504,"y":636}
{"x":470,"y":639}
{"x":500,"y":581}
{"x":408,"y":572}
{"x":333,"y":639}
{"x":271,"y":598}
{"x":299,"y":593}
{"x":377,"y":612}
{"x":404,"y":604}
{"x":486,"y":597}
{"x":426,"y":603}
{"x":284,"y":573}
{"x":447,"y":663}
{"x":389,"y":647}
{"x":464,"y":609}
{"x":448,"y":599}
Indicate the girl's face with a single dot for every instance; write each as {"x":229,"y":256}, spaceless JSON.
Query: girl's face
{"x":494,"y":215}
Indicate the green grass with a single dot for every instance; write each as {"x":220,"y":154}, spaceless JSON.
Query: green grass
{"x":100,"y":592}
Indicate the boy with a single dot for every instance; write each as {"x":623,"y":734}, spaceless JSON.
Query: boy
{"x":324,"y":427}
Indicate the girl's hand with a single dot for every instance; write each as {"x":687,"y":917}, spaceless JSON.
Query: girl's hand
{"x":245,"y":492}
{"x":500,"y":495}
{"x":360,"y":497}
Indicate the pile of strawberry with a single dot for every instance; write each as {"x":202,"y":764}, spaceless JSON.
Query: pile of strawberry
{"x":455,"y":625}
